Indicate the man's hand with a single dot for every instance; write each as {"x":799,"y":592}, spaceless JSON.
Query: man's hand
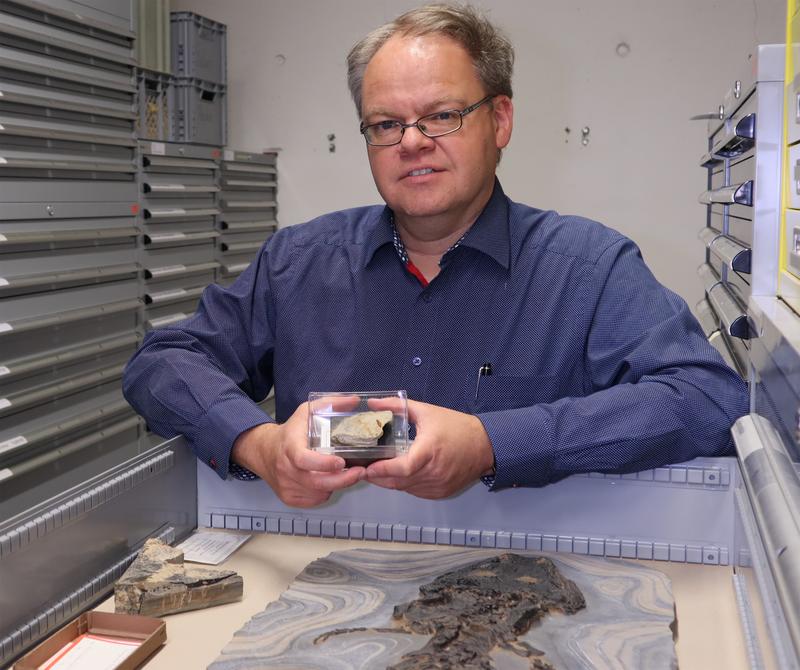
{"x":279,"y":454}
{"x":451,"y":450}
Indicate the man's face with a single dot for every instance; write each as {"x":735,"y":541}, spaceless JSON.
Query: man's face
{"x":410,"y":77}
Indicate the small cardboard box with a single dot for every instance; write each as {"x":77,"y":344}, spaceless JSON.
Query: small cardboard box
{"x":152,"y":633}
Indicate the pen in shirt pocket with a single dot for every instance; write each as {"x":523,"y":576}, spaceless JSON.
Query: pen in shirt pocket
{"x":484,"y":370}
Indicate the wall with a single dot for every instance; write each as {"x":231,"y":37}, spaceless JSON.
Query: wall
{"x":639,"y":173}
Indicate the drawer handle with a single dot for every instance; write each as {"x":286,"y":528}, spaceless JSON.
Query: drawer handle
{"x":736,"y":256}
{"x":737,"y":194}
{"x":738,"y":138}
{"x":707,"y":318}
{"x":707,"y":236}
{"x":732,"y":318}
{"x":708,"y":277}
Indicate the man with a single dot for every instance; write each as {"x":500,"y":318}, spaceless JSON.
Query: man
{"x":594,"y":365}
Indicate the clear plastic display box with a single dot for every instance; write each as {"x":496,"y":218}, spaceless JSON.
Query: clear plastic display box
{"x":361,"y":427}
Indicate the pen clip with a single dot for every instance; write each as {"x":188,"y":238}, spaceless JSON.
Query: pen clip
{"x":484,"y":370}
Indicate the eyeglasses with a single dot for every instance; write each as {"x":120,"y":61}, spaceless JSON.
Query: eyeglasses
{"x":388,"y":133}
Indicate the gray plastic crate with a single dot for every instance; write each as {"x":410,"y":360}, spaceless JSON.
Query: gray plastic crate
{"x":198,"y":47}
{"x":155,"y":105}
{"x":200,"y":114}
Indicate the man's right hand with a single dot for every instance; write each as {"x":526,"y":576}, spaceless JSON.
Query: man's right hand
{"x":279,"y":454}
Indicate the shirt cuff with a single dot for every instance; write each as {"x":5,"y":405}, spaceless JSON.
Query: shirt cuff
{"x":523,"y":447}
{"x":220,"y":427}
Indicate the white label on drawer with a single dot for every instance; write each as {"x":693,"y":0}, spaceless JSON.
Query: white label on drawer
{"x":163,"y":237}
{"x":174,"y":210}
{"x":5,"y":473}
{"x":164,"y":320}
{"x":158,"y":148}
{"x":171,"y":187}
{"x":166,"y":295}
{"x":167,"y":270}
{"x":4,"y":370}
{"x":3,"y":238}
{"x":3,"y":161}
{"x":1,"y":127}
{"x":228,"y":155}
{"x":13,"y":443}
{"x":4,"y":402}
{"x":3,"y":282}
{"x":5,"y":327}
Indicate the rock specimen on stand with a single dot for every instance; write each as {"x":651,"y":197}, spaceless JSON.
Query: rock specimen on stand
{"x":159,"y":583}
{"x":361,"y":430}
{"x":471,"y":611}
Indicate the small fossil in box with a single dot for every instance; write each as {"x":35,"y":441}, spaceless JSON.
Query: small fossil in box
{"x":360,"y":427}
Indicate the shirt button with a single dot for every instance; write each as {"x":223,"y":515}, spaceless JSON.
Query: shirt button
{"x":426,"y":297}
{"x":416,"y":361}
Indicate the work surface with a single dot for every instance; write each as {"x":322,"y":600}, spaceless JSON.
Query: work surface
{"x":709,"y":637}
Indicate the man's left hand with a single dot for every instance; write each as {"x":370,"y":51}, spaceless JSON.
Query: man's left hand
{"x":451,"y":450}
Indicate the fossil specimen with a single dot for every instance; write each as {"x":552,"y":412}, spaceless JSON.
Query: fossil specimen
{"x":361,"y":430}
{"x":470,"y":611}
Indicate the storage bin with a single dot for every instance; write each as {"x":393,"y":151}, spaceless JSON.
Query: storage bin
{"x":156,"y":91}
{"x":200,"y":113}
{"x":198,"y":47}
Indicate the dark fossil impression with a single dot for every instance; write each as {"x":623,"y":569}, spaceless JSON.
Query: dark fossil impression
{"x":471,"y":611}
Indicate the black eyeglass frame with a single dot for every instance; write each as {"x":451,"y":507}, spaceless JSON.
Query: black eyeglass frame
{"x":461,"y":114}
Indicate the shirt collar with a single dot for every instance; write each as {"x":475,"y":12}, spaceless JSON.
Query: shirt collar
{"x":489,"y":234}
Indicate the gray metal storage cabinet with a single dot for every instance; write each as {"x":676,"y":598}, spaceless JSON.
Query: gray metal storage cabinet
{"x":249,"y":205}
{"x":741,"y":232}
{"x":179,"y":187}
{"x":69,"y":297}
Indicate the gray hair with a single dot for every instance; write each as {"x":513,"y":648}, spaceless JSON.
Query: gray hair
{"x":490,"y":50}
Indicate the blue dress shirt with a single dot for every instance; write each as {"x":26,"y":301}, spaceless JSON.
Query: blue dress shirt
{"x":595,"y":365}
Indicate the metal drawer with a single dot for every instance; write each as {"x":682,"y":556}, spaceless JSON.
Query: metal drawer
{"x":738,"y":135}
{"x":61,"y":420}
{"x":707,"y":318}
{"x":39,"y":363}
{"x":92,"y":389}
{"x":794,"y":176}
{"x":41,"y":322}
{"x":43,"y":269}
{"x":741,"y":230}
{"x":716,"y":217}
{"x":793,"y":105}
{"x":160,"y":260}
{"x":792,"y":241}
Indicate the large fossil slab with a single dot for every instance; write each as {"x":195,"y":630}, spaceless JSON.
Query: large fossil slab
{"x":367,"y":608}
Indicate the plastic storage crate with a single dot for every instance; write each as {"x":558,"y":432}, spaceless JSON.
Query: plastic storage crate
{"x":200,"y":113}
{"x":198,"y":47}
{"x":155,"y":107}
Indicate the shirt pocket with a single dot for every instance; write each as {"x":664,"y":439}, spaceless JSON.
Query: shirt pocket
{"x":499,"y":392}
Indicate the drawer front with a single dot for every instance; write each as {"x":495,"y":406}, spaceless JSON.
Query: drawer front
{"x":741,"y":230}
{"x":744,"y":173}
{"x":794,"y":177}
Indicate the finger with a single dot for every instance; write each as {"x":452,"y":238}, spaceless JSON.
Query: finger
{"x":308,"y":459}
{"x":394,"y":483}
{"x":303,"y":499}
{"x":327,"y":482}
{"x":396,"y":405}
{"x":333,"y":403}
{"x":403,"y":466}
